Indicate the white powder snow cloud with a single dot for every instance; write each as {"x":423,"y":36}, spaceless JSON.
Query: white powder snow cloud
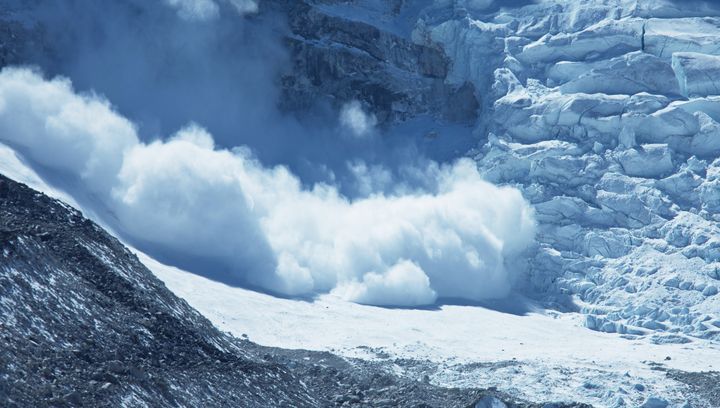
{"x":190,"y":198}
{"x":403,"y":284}
{"x":76,"y":133}
{"x":354,"y":118}
{"x":204,"y":10}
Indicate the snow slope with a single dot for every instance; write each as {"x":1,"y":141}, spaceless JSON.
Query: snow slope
{"x":538,"y":355}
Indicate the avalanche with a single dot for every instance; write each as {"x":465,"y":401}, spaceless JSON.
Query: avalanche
{"x":183,"y":197}
{"x":591,"y":197}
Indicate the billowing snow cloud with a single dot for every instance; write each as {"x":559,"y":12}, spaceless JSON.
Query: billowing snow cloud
{"x":403,"y":284}
{"x":354,"y":118}
{"x":79,"y":134}
{"x":204,"y":10}
{"x":190,"y":198}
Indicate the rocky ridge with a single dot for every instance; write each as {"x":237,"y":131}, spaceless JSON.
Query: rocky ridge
{"x":339,"y":59}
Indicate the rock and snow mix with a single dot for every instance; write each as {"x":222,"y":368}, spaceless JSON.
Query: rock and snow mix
{"x":604,"y":114}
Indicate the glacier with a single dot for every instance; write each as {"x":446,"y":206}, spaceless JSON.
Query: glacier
{"x":605,"y":115}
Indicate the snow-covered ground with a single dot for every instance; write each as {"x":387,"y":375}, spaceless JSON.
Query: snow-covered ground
{"x":540,"y":355}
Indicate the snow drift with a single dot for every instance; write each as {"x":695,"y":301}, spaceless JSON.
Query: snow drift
{"x":189,"y":198}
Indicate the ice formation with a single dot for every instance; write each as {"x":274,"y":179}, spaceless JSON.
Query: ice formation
{"x":606,"y":115}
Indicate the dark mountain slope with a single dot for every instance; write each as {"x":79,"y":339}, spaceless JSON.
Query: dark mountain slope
{"x":84,"y":323}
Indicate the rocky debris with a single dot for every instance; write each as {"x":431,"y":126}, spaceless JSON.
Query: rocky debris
{"x":705,"y":387}
{"x":371,"y":383}
{"x":84,"y":323}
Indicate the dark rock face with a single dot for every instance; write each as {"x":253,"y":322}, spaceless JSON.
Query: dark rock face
{"x":15,"y":40}
{"x":84,"y":323}
{"x":332,"y":60}
{"x":338,"y":60}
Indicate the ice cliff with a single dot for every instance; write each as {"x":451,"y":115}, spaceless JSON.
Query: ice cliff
{"x":605,"y":115}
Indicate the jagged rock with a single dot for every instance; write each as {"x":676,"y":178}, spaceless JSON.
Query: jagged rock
{"x":341,"y":60}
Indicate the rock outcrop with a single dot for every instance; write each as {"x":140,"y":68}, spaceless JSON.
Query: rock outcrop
{"x":336,"y":59}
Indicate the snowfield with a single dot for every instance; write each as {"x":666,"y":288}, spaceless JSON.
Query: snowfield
{"x":539,"y":355}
